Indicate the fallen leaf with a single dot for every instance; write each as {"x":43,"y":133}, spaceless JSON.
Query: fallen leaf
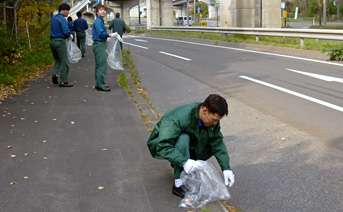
{"x":72,"y":122}
{"x":26,"y":154}
{"x":12,"y":125}
{"x":36,"y":121}
{"x":32,"y":103}
{"x":44,"y":141}
{"x":26,"y":177}
{"x":100,"y":187}
{"x":104,"y":149}
{"x":13,"y":156}
{"x":54,"y":119}
{"x":45,"y":158}
{"x":22,"y":118}
{"x":9,"y":147}
{"x":24,"y":110}
{"x":12,"y":183}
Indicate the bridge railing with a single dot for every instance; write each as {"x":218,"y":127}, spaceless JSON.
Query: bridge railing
{"x":324,"y":34}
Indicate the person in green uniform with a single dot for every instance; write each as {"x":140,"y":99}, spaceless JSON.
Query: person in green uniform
{"x":100,"y":36}
{"x":192,"y":132}
{"x":80,"y":26}
{"x":119,"y":26}
{"x":59,"y":32}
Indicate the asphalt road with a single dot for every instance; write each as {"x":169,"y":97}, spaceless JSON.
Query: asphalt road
{"x":80,"y":150}
{"x":284,"y":129}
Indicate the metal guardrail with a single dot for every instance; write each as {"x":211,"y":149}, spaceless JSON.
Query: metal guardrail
{"x":324,"y":34}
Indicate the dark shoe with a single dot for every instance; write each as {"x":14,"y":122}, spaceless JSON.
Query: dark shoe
{"x":65,"y":84}
{"x":103,"y":89}
{"x":180,"y":192}
{"x":54,"y":79}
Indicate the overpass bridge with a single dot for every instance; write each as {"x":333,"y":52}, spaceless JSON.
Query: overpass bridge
{"x":233,"y":13}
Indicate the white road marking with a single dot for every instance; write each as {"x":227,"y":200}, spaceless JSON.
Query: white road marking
{"x":318,"y":76}
{"x":129,"y":36}
{"x":295,"y":94}
{"x":252,"y":51}
{"x":173,"y":55}
{"x":143,"y":47}
{"x":139,"y":40}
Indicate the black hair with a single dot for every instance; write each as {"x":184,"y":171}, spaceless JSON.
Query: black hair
{"x":63,"y":7}
{"x":117,"y":15}
{"x":70,"y":18}
{"x":98,"y":7}
{"x":79,"y":14}
{"x":216,"y":104}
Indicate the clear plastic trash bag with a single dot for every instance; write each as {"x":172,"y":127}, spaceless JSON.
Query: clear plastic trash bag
{"x":114,"y":58}
{"x":203,"y":186}
{"x":73,"y":52}
{"x":89,"y":39}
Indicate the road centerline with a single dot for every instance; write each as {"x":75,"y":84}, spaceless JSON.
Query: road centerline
{"x":173,"y":55}
{"x":332,"y":106}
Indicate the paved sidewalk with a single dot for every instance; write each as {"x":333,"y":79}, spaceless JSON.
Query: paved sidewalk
{"x":79,"y":149}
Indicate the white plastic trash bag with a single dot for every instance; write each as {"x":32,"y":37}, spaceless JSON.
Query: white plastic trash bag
{"x":114,"y":58}
{"x":73,"y":52}
{"x":89,"y":39}
{"x":203,"y":186}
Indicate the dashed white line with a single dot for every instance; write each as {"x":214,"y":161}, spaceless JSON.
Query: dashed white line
{"x":318,"y":76}
{"x":140,"y":40}
{"x":173,"y":55}
{"x":295,"y":93}
{"x":252,"y":51}
{"x":143,"y":47}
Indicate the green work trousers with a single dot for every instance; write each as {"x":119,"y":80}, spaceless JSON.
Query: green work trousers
{"x":59,"y":50}
{"x":99,"y":49}
{"x":81,"y":40}
{"x":183,"y":145}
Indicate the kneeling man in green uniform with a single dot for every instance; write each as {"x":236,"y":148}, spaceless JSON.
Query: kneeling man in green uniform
{"x":192,"y":132}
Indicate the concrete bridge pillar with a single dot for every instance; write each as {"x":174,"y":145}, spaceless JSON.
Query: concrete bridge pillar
{"x":271,"y":14}
{"x":247,"y":13}
{"x":159,"y":13}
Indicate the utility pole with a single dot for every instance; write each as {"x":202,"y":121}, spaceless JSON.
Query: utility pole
{"x":338,"y":10}
{"x":194,"y":12}
{"x":139,"y":12}
{"x":187,"y":12}
{"x":324,"y":11}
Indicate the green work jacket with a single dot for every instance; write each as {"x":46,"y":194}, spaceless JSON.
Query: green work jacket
{"x":118,"y":25}
{"x":185,"y":119}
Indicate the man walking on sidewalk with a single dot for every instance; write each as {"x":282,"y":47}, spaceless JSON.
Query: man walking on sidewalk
{"x":80,"y":26}
{"x":189,"y":133}
{"x":59,"y":32}
{"x":118,"y":26}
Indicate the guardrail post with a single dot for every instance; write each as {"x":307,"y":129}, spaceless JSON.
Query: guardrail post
{"x":225,"y":35}
{"x":169,"y":32}
{"x":257,"y":38}
{"x":302,"y":42}
{"x":184,"y":32}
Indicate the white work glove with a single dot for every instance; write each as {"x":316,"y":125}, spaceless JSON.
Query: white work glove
{"x":71,"y":36}
{"x":191,"y":165}
{"x":229,"y":178}
{"x":117,"y":36}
